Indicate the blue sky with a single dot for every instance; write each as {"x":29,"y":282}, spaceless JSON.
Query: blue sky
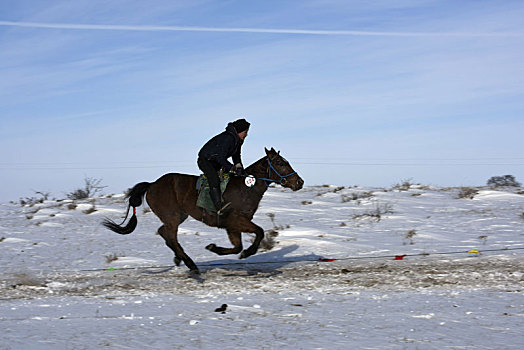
{"x":352,"y":92}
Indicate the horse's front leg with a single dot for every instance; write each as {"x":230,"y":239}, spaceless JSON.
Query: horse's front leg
{"x":235,"y":237}
{"x":259,"y":232}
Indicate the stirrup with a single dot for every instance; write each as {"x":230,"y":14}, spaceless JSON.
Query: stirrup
{"x":226,"y":209}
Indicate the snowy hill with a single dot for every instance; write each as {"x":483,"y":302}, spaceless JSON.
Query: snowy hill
{"x":415,"y":267}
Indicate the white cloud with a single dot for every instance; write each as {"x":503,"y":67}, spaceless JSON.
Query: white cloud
{"x":155,"y":28}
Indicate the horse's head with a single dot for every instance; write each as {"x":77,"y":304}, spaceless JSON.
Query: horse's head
{"x":281,"y":171}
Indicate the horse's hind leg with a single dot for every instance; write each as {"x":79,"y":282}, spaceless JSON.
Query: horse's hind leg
{"x":162,"y":232}
{"x":236,"y":239}
{"x":170,"y":235}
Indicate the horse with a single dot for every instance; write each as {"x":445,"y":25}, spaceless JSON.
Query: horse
{"x":173,"y":199}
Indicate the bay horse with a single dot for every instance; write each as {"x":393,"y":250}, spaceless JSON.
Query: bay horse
{"x":173,"y":198}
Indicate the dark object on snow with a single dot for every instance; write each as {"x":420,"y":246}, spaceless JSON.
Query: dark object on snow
{"x":222,"y":309}
{"x":173,"y":198}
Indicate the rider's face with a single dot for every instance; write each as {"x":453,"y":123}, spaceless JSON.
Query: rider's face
{"x":242,"y":135}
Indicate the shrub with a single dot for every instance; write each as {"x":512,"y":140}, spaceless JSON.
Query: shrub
{"x":71,"y":206}
{"x":335,"y":190}
{"x":409,"y":236}
{"x":356,"y":196}
{"x":111,"y":257}
{"x":506,"y":180}
{"x":275,"y":226}
{"x":269,"y":241}
{"x":90,"y":210}
{"x":30,"y":201}
{"x":404,"y":185}
{"x":377,"y":212}
{"x":91,"y":187}
{"x":467,"y":192}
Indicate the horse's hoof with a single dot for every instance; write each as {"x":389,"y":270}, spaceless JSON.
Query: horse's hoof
{"x":194,"y":272}
{"x":177,"y":261}
{"x":244,"y":255}
{"x":211,"y":247}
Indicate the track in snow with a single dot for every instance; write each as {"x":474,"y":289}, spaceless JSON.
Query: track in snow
{"x":503,"y":273}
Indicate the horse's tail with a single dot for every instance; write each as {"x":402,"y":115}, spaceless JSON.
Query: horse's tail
{"x":135,"y":196}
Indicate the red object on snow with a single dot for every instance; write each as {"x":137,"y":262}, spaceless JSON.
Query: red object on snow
{"x":400,"y":257}
{"x":326,"y":260}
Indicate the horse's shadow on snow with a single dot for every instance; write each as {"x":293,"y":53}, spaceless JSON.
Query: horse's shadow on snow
{"x":267,"y":263}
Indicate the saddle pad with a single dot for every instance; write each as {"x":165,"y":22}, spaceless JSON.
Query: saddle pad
{"x":204,"y":198}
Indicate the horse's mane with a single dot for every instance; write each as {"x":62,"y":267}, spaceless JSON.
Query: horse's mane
{"x":255,"y":165}
{"x":261,"y":161}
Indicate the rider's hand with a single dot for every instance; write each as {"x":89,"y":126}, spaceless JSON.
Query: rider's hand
{"x":238,"y":169}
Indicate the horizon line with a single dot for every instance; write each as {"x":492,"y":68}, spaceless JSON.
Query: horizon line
{"x":156,"y":28}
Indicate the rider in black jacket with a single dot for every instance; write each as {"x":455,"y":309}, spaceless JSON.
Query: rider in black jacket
{"x":214,"y":154}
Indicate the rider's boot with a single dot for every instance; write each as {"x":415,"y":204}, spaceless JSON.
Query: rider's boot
{"x":223,"y":209}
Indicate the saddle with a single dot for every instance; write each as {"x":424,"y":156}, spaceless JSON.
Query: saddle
{"x":202,"y":186}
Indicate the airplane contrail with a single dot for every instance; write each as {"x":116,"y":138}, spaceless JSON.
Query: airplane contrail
{"x":152,"y":28}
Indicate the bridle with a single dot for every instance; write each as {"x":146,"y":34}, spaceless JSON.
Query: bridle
{"x":268,"y":180}
{"x":283,"y":178}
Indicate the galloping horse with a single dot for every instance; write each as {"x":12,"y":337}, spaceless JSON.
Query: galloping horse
{"x":173,"y":198}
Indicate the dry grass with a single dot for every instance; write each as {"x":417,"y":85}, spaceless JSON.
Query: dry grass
{"x":467,"y":192}
{"x":355,"y":196}
{"x":404,"y":185}
{"x":269,"y":241}
{"x":90,"y":210}
{"x":111,"y":257}
{"x":377,"y":212}
{"x":409,"y":236}
{"x":71,"y":206}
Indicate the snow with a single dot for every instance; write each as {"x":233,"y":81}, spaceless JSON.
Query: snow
{"x":69,"y":283}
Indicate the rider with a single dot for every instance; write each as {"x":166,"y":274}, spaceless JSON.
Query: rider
{"x":214,"y":154}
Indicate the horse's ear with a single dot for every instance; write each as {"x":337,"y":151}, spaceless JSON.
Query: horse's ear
{"x":272,"y":152}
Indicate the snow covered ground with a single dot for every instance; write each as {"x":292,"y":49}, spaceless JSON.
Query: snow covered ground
{"x":414,"y":269}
